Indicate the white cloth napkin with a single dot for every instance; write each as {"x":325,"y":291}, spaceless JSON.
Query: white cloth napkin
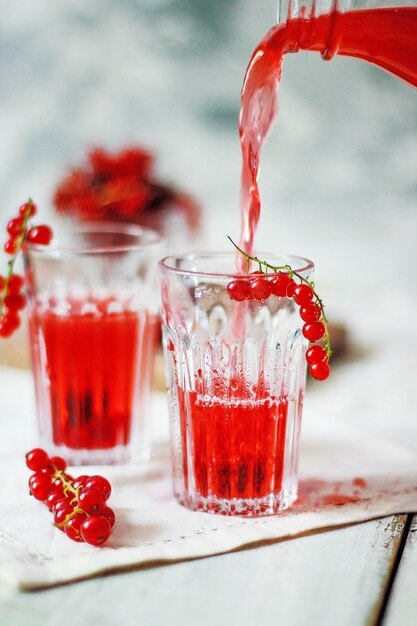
{"x":152,"y":528}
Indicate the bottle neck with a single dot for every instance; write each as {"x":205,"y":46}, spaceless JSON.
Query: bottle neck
{"x":316,"y":24}
{"x":382,"y":33}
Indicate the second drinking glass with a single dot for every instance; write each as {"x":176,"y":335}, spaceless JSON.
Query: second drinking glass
{"x":93,"y":319}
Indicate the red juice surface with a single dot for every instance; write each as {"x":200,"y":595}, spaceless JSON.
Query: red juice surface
{"x":94,"y":363}
{"x":237,"y":444}
{"x":386,"y":37}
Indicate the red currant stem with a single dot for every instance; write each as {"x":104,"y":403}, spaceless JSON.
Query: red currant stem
{"x":12,"y":261}
{"x":68,"y":488}
{"x":67,"y":485}
{"x":291,"y":273}
{"x":70,"y":516}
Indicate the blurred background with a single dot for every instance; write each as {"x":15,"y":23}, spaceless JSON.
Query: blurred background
{"x":338,"y":176}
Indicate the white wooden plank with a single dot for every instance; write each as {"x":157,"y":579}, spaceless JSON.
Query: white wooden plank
{"x":402,"y":606}
{"x":336,"y":577}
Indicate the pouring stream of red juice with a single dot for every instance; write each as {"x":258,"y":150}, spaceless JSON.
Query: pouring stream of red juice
{"x":386,"y":37}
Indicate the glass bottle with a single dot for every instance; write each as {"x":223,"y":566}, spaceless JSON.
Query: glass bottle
{"x":382,"y":32}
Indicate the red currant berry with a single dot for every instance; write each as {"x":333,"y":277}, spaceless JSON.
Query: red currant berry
{"x":32,"y":479}
{"x":28,"y":209}
{"x":238,"y":289}
{"x":15,"y":302}
{"x":37,"y":459}
{"x":9,"y":323}
{"x":81,"y":481}
{"x":92,"y":500}
{"x":2,"y":283}
{"x":315,"y":354}
{"x":72,"y":527}
{"x":260,"y":289}
{"x":310,"y":312}
{"x":15,"y":284}
{"x":108,"y":513}
{"x":10,"y":247}
{"x":95,"y":530}
{"x":40,"y":489}
{"x":40,"y":235}
{"x":38,"y":479}
{"x":320,"y":370}
{"x":15,"y":226}
{"x":280,"y":285}
{"x":291,"y":288}
{"x":46,"y":472}
{"x":63,"y":502}
{"x":58,"y":462}
{"x":61,"y":516}
{"x":99,"y":482}
{"x":303,"y":294}
{"x":314,"y":331}
{"x":52,"y":499}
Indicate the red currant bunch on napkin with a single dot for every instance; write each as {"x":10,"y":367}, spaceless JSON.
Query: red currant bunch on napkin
{"x":79,"y":505}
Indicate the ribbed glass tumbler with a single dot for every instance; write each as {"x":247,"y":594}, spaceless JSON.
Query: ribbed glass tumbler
{"x":236,"y":376}
{"x":94,"y":323}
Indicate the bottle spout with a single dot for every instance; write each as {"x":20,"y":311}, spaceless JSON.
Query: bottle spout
{"x":306,"y":9}
{"x":283,"y":10}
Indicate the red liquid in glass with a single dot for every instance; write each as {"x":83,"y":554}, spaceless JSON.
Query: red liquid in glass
{"x":94,"y":364}
{"x":237,"y":443}
{"x":386,"y":37}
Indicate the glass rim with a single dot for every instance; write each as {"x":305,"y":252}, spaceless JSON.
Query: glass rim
{"x":305,"y":264}
{"x":57,"y":248}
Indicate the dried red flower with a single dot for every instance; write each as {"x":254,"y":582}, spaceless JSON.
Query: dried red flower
{"x":122,"y":187}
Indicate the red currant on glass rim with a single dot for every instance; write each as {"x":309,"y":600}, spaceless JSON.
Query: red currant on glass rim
{"x":260,"y":289}
{"x":238,"y":289}
{"x":283,"y":285}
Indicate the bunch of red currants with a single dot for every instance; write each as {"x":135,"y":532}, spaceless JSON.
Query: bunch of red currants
{"x":256,"y":286}
{"x":12,"y":300}
{"x":79,"y":505}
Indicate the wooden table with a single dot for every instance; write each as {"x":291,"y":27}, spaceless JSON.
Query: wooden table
{"x":355,"y":576}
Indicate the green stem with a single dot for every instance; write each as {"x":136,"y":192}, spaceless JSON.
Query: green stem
{"x":68,"y":487}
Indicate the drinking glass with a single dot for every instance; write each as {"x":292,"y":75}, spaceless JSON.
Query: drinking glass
{"x":93,"y":323}
{"x":236,"y":376}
